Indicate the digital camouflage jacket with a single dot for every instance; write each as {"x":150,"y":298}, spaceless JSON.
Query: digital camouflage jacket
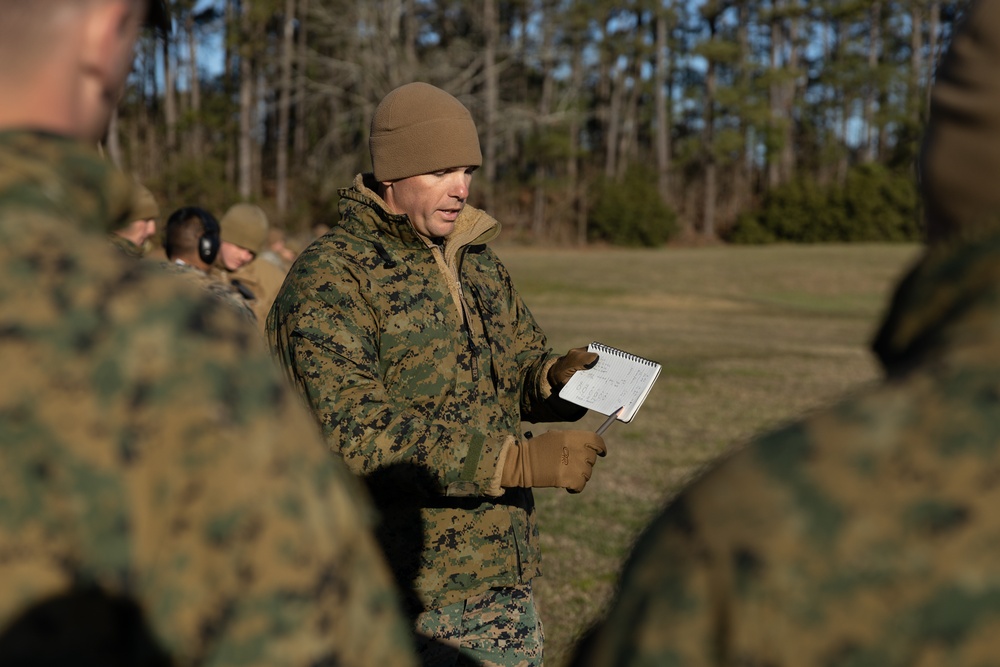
{"x":866,"y":534}
{"x":420,"y":363}
{"x":163,"y":497}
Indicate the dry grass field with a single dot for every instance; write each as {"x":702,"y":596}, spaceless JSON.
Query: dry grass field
{"x":748,"y":337}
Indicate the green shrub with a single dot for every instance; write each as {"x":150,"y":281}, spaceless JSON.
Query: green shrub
{"x":630,"y":213}
{"x":875,"y":204}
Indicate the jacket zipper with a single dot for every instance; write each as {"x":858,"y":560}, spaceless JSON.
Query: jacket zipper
{"x":467,"y":318}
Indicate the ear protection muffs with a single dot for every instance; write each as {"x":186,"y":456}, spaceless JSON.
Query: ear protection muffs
{"x":210,"y":239}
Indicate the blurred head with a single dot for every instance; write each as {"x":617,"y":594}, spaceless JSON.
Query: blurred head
{"x":63,"y":63}
{"x":143,"y":217}
{"x":424,"y":147}
{"x":277,"y":244}
{"x":192,"y":236}
{"x":244,"y":233}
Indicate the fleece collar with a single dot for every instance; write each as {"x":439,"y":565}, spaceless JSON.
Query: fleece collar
{"x":472,"y":227}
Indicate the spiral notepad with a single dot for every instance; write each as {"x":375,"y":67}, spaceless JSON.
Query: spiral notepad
{"x":617,"y":379}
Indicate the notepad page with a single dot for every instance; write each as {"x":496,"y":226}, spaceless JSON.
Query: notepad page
{"x":617,"y":380}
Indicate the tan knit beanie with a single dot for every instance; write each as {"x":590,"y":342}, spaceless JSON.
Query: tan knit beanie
{"x":418,"y":129}
{"x":144,"y":206}
{"x":245,"y":225}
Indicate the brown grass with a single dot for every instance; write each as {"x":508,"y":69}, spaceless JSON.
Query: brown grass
{"x":748,"y":337}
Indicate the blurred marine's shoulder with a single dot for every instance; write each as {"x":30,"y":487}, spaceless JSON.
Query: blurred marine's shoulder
{"x":46,"y":174}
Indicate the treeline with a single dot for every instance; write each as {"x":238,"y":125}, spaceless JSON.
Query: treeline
{"x":626,"y":121}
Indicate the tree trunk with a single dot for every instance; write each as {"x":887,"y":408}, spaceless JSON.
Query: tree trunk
{"x":932,"y":51}
{"x":257,"y":144}
{"x":708,"y":142}
{"x":575,"y":198}
{"x":169,"y":97}
{"x":775,"y":103}
{"x":410,"y":29}
{"x":197,"y":144}
{"x":617,"y":89}
{"x":788,"y":96}
{"x":228,"y":86}
{"x":491,"y":88}
{"x":150,"y":128}
{"x":284,"y":108}
{"x":112,"y":142}
{"x":134,"y":142}
{"x":246,"y":109}
{"x":299,"y":141}
{"x":628,"y":135}
{"x":744,"y":166}
{"x":916,"y":79}
{"x":538,"y":221}
{"x":871,"y":92}
{"x":845,"y":109}
{"x":662,"y":130}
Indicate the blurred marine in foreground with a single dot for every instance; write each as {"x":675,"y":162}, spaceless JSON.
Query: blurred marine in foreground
{"x":866,"y":534}
{"x":163,"y":498}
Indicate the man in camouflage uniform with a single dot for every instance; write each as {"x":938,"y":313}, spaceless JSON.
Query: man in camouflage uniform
{"x":245,"y":230}
{"x":192,"y":241}
{"x":866,"y":534}
{"x":420,"y":360}
{"x":141,"y":226}
{"x":163,"y":497}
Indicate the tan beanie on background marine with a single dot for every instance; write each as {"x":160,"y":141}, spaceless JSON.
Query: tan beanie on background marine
{"x":144,"y":206}
{"x":245,"y":225}
{"x":419,"y":129}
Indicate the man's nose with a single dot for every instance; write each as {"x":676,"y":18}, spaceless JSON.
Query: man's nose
{"x":459,"y":188}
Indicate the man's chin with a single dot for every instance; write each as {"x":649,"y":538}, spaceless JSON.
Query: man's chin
{"x":442,"y":230}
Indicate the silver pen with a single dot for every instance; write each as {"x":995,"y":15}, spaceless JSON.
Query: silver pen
{"x":607,"y":422}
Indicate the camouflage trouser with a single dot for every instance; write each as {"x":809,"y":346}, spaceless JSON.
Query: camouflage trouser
{"x":498,"y":628}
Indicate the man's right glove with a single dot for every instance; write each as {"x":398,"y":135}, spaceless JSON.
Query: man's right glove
{"x":560,"y":459}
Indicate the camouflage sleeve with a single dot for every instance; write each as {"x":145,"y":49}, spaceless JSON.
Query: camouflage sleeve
{"x":152,"y":451}
{"x":663,"y":611}
{"x":865,"y":535}
{"x":534,"y":358}
{"x":690,"y":594}
{"x":336,"y":364}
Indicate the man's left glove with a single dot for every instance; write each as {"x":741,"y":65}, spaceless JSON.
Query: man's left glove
{"x":562,"y":370}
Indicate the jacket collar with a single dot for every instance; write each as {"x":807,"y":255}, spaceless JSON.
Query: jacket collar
{"x":472,"y":227}
{"x":65,"y":176}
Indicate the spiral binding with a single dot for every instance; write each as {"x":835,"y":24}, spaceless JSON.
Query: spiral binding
{"x":601,"y":347}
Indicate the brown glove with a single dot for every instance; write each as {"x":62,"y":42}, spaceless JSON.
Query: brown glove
{"x":560,"y":459}
{"x":562,"y":370}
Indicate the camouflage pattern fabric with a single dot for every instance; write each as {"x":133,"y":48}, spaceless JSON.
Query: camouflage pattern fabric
{"x":125,"y":246}
{"x":419,"y":363}
{"x":164,"y":499}
{"x":222,"y":292}
{"x":865,"y":534}
{"x":472,"y":631}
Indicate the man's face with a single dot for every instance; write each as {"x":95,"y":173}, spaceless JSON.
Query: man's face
{"x":234,"y":256}
{"x":147,"y":229}
{"x":431,"y":201}
{"x":112,"y":61}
